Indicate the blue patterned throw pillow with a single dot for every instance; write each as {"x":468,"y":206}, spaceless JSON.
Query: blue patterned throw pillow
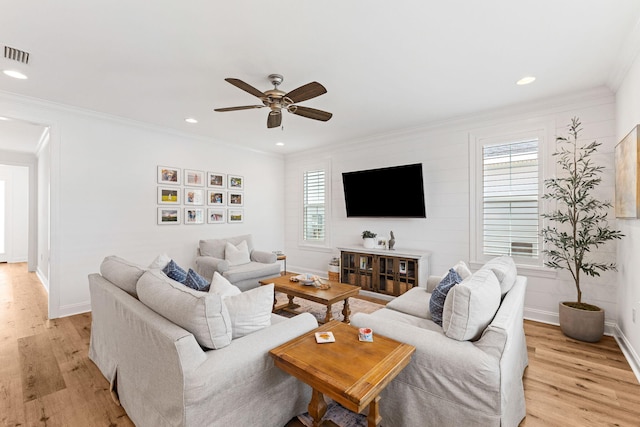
{"x":436,"y":304}
{"x":175,"y":272}
{"x":196,"y":281}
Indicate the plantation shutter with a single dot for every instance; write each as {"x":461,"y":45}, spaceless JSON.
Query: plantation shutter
{"x":314,"y":206}
{"x":510,"y":199}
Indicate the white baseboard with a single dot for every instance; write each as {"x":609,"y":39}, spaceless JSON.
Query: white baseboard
{"x":72,"y":309}
{"x":628,"y":351}
{"x":43,"y":280}
{"x":551,"y":318}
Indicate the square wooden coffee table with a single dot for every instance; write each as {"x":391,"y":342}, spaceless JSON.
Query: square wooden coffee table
{"x":336,"y":293}
{"x":351,"y":372}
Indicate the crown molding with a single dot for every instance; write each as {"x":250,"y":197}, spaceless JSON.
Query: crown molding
{"x":627,"y":54}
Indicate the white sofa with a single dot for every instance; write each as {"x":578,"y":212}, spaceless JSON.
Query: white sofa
{"x":472,"y":379}
{"x":164,"y":377}
{"x":212,"y":257}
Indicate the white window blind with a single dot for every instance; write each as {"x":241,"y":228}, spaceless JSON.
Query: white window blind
{"x":313,"y":221}
{"x":510,"y":202}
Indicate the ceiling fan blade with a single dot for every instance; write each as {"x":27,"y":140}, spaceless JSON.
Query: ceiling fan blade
{"x":245,"y":87}
{"x":310,"y":113}
{"x":308,"y":91}
{"x":274,"y":119}
{"x":245,"y":107}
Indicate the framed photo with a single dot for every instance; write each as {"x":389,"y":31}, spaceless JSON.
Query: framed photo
{"x":381,"y":243}
{"x":168,"y":196}
{"x":402,"y":267}
{"x":216,"y":216}
{"x":168,"y":216}
{"x":168,"y":175}
{"x":363,"y":263}
{"x":193,"y":178}
{"x":627,"y":161}
{"x":215,"y":197}
{"x":235,"y":215}
{"x":236,"y":182}
{"x":193,"y":196}
{"x":193,"y":216}
{"x":236,"y":199}
{"x":216,"y":180}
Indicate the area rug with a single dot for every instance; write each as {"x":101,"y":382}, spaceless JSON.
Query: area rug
{"x":339,"y":415}
{"x":357,"y":305}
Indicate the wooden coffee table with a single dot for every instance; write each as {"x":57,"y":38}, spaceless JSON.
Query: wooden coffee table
{"x":336,"y":293}
{"x":351,"y":372}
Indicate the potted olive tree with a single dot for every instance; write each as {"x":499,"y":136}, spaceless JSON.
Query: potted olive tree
{"x":577,"y":226}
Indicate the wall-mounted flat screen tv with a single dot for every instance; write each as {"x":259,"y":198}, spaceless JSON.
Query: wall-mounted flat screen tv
{"x":394,"y":192}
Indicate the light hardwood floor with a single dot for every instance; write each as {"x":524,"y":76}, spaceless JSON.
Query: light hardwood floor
{"x":46,"y":378}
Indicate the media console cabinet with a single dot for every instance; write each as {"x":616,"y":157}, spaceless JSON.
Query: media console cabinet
{"x":389,"y":272}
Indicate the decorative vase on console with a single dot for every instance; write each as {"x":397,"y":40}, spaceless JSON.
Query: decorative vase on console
{"x":392,"y":241}
{"x":369,"y":239}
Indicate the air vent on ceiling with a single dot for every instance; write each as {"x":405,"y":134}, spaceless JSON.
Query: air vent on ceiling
{"x":16,"y":54}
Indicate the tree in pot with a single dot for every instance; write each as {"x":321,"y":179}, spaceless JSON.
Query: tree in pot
{"x":579,"y":224}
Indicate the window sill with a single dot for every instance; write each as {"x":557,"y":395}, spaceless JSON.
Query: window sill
{"x":314,"y":248}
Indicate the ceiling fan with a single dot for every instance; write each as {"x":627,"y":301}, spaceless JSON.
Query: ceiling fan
{"x":278,"y":100}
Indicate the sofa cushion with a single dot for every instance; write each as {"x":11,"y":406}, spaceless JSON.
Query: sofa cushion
{"x":216,"y":247}
{"x":161,"y":261}
{"x":250,"y":311}
{"x":222,"y":287}
{"x":201,"y":313}
{"x":505,"y":270}
{"x":252,"y":270}
{"x":122,"y":273}
{"x":196,"y":281}
{"x":414,"y":302}
{"x":436,"y":303}
{"x":175,"y":272}
{"x":237,"y":255}
{"x":471,"y":305}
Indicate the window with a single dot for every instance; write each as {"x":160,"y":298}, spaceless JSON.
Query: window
{"x":314,"y":207}
{"x":506,"y":196}
{"x":510,"y":199}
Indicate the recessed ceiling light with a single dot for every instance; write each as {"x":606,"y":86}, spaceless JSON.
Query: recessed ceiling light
{"x":280,"y":144}
{"x":190,"y":120}
{"x":525,"y":80}
{"x":15,"y":74}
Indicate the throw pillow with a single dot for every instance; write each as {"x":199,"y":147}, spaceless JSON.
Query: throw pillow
{"x":471,"y":305}
{"x":222,"y":287}
{"x":237,"y":255}
{"x":196,"y":281}
{"x":175,"y":272}
{"x":505,"y":270}
{"x":201,"y":313}
{"x":250,"y":311}
{"x":122,"y":273}
{"x":462,"y":270}
{"x":161,"y":261}
{"x":436,"y":303}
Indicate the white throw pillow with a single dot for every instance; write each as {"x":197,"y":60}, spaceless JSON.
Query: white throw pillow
{"x":161,"y":261}
{"x":471,"y":305}
{"x":460,"y":268}
{"x":237,"y":255}
{"x":221,"y":286}
{"x":504,"y":267}
{"x":250,"y":311}
{"x":201,"y":313}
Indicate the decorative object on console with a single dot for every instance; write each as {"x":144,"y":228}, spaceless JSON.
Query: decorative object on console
{"x":582,"y":218}
{"x":278,"y":100}
{"x":392,"y":241}
{"x":627,"y":182}
{"x":368,"y":238}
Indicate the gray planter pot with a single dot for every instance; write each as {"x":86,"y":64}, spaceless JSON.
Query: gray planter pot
{"x":583,"y":325}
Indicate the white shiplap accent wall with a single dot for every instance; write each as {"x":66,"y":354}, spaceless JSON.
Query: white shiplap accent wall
{"x":443,"y":150}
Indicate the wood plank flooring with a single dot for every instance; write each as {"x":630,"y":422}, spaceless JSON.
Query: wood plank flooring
{"x":47,"y":379}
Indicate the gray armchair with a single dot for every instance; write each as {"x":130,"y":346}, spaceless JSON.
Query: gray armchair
{"x":211,"y":258}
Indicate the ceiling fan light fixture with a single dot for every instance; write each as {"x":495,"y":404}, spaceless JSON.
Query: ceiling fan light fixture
{"x":15,"y":74}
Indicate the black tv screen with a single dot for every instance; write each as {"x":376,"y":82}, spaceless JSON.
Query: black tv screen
{"x":395,"y":192}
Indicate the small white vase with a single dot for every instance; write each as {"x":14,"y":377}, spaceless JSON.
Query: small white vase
{"x":369,"y":242}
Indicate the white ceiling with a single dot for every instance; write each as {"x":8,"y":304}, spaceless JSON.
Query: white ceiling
{"x":386,"y":65}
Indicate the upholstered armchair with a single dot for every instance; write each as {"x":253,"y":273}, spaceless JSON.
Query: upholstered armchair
{"x":236,"y":260}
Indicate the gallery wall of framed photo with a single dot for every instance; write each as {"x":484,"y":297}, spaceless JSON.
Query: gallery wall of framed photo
{"x":187,"y":196}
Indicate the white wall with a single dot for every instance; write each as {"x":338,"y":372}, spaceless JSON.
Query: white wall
{"x":444,"y":153}
{"x":17,"y":211}
{"x":104,"y":191}
{"x":628,"y":116}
